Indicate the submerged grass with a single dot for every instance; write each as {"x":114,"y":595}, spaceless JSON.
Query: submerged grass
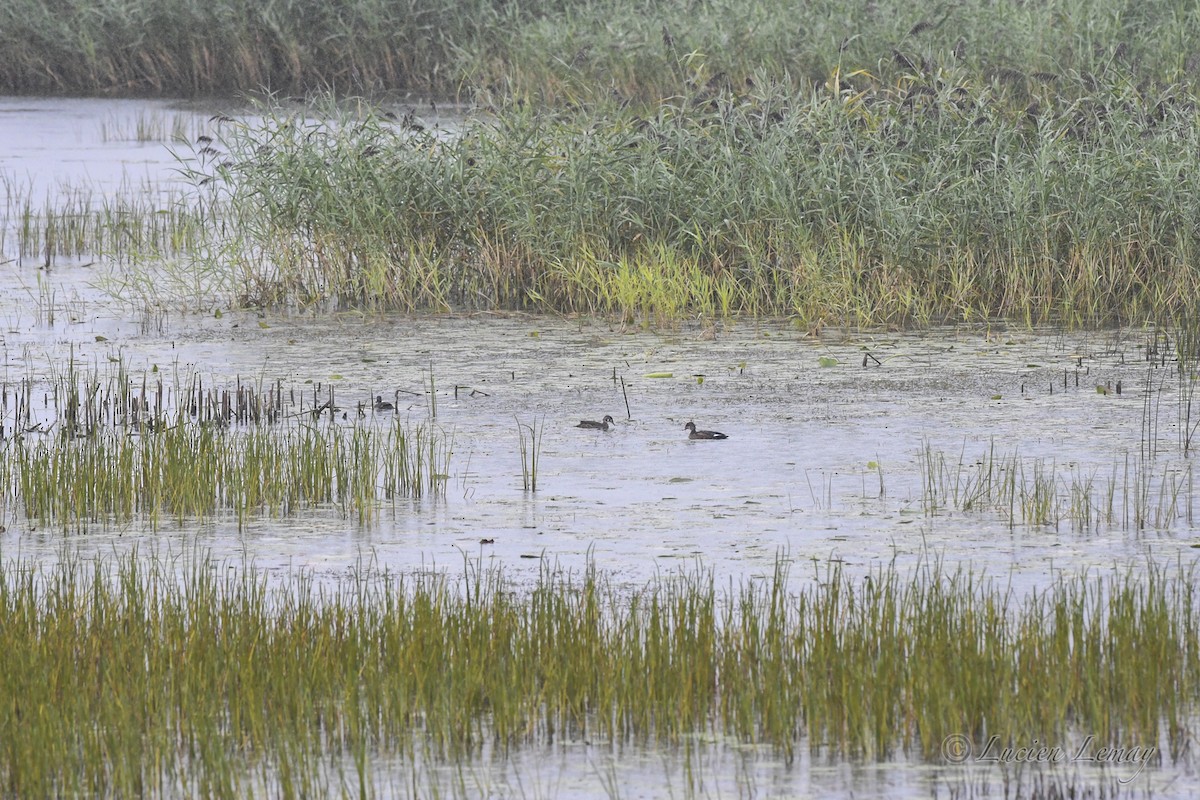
{"x":123,"y":677}
{"x":925,"y":201}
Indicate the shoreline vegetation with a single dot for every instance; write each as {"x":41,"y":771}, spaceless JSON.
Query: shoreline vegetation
{"x":928,"y":203}
{"x":833,"y":163}
{"x":124,"y":676}
{"x":548,"y":51}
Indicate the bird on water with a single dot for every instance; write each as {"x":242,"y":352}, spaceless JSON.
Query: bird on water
{"x":695,"y":434}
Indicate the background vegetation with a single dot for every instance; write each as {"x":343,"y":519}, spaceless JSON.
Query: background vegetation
{"x":860,"y":161}
{"x":936,"y":199}
{"x":545,"y":49}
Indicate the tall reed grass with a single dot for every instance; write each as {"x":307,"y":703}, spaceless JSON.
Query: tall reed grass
{"x":1136,"y":494}
{"x":124,"y":677}
{"x":98,"y":446}
{"x":195,"y":470}
{"x":554,"y":51}
{"x":929,"y":201}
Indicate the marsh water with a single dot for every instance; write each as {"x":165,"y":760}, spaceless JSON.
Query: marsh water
{"x":832,"y":434}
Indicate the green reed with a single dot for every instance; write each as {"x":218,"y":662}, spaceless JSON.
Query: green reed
{"x":135,"y":224}
{"x":124,"y":676}
{"x":529,"y":445}
{"x":1133,"y":495}
{"x":918,"y":203}
{"x":550,"y":51}
{"x":197,"y":470}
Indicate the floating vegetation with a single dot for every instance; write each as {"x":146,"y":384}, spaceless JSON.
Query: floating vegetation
{"x":122,"y":677}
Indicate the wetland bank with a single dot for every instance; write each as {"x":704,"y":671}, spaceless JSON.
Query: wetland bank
{"x":942,"y":306}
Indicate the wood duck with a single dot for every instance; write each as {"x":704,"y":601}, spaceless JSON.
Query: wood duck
{"x":695,"y":434}
{"x":596,"y":426}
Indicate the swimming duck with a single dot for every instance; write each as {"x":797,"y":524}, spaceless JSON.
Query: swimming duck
{"x":695,"y":434}
{"x":381,"y":405}
{"x":596,"y":426}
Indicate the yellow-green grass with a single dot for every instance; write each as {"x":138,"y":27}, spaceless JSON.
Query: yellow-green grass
{"x":124,"y":676}
{"x":889,"y":206}
{"x":191,"y":470}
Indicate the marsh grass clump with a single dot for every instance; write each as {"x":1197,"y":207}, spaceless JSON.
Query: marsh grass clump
{"x":122,"y":675}
{"x":197,"y":471}
{"x":870,"y":205}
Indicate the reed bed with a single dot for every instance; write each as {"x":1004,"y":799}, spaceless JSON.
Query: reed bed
{"x":99,"y":448}
{"x":551,"y":51}
{"x":929,"y":201}
{"x":126,"y":677}
{"x":189,"y":471}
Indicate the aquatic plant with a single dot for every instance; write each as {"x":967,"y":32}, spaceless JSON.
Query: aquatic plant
{"x":132,"y":225}
{"x":1137,"y":493}
{"x":887,"y":205}
{"x":529,"y":444}
{"x":92,"y":446}
{"x":196,"y":470}
{"x":125,"y":676}
{"x":546,"y":51}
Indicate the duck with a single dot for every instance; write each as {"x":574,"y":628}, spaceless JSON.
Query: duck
{"x":596,"y":426}
{"x":695,"y":434}
{"x":382,"y":405}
